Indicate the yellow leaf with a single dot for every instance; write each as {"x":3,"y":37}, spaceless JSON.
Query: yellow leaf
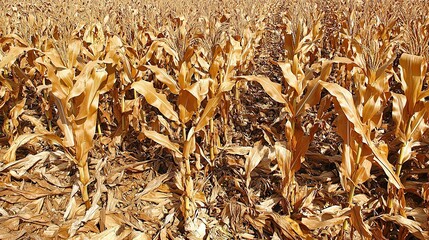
{"x":413,"y":74}
{"x":156,"y":99}
{"x":188,"y":105}
{"x":274,"y":90}
{"x":165,"y":78}
{"x":256,"y":154}
{"x":162,"y":140}
{"x":358,"y":223}
{"x":208,"y":112}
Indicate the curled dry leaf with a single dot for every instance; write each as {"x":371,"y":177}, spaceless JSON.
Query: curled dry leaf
{"x":274,"y":90}
{"x":156,"y":99}
{"x":165,"y":78}
{"x":358,"y":223}
{"x":162,"y":140}
{"x":256,"y":154}
{"x":412,"y":226}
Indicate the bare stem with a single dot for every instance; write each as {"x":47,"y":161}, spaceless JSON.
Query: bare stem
{"x":399,"y":163}
{"x":353,"y":188}
{"x":189,"y":185}
{"x":99,"y":128}
{"x":84,"y":180}
{"x":45,"y":96}
{"x":49,"y":124}
{"x":123,"y":109}
{"x":212,"y":141}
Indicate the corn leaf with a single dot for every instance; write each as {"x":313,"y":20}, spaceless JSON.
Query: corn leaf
{"x":162,"y":140}
{"x":165,"y":78}
{"x":345,"y":99}
{"x":274,"y":90}
{"x":256,"y":154}
{"x":156,"y":99}
{"x":358,"y":223}
{"x":413,"y":73}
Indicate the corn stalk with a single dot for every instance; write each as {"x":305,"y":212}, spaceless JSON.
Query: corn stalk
{"x":410,"y":112}
{"x":302,"y":92}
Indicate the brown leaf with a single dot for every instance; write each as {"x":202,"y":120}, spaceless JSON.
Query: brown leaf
{"x":154,"y":184}
{"x":12,"y":55}
{"x":412,"y":226}
{"x":312,"y":223}
{"x":289,"y":227}
{"x":358,"y":223}
{"x":21,"y":166}
{"x":10,"y":155}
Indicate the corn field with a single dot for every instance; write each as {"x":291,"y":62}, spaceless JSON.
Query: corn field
{"x":214,"y":119}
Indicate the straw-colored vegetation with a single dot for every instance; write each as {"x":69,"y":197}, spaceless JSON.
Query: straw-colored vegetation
{"x":214,"y":119}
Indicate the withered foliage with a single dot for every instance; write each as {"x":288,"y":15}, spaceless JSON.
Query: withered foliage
{"x":214,"y":120}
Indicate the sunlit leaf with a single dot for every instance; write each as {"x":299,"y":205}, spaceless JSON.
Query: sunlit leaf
{"x":156,"y":99}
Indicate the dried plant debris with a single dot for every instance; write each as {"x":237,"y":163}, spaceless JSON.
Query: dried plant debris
{"x":214,"y":120}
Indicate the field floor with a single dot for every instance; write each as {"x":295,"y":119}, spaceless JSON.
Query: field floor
{"x":214,"y":119}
